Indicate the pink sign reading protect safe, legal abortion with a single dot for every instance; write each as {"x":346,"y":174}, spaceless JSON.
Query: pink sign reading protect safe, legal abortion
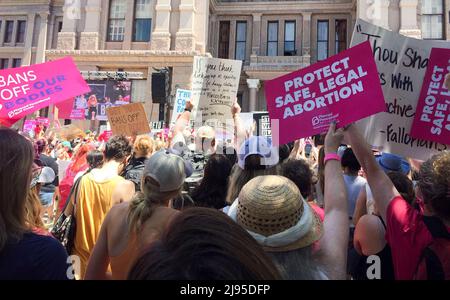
{"x":344,"y":88}
{"x":28,"y":89}
{"x":432,"y":119}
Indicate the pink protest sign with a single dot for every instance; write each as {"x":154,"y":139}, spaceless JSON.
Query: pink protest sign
{"x":29,"y":125}
{"x":43,"y":121}
{"x":27,"y":89}
{"x":432,"y":119}
{"x":344,"y":88}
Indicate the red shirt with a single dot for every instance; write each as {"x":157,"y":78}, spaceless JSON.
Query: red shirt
{"x":407,"y":235}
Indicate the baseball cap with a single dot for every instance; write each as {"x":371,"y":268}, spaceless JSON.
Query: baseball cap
{"x":42,"y":175}
{"x":261,"y":146}
{"x":67,"y":144}
{"x":206,"y":132}
{"x":168,"y":169}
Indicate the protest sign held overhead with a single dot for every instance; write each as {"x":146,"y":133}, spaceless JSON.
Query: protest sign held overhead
{"x":343,"y":88}
{"x":28,"y":89}
{"x":29,"y":126}
{"x":215,"y":84}
{"x":432,"y":120}
{"x":157,"y":126}
{"x":128,"y":120}
{"x":43,"y":121}
{"x":401,"y":63}
{"x":181,"y":97}
{"x":257,"y":123}
{"x":70,"y":132}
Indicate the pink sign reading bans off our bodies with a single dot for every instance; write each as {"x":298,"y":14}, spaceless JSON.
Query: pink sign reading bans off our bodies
{"x":343,"y":88}
{"x":28,"y":89}
{"x":432,"y":119}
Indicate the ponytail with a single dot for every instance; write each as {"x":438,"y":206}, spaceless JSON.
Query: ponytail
{"x":144,"y":203}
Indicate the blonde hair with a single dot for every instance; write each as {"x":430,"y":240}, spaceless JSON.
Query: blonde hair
{"x":159,"y":145}
{"x":33,"y":210}
{"x":143,"y":146}
{"x":143,"y":203}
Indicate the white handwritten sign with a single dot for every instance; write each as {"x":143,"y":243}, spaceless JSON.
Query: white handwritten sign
{"x":215,"y":84}
{"x":402,"y":63}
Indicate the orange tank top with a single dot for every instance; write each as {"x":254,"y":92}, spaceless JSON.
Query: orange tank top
{"x":121,"y":264}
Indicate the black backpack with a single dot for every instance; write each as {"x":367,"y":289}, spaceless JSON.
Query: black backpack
{"x":434,"y":263}
{"x":133,"y":172}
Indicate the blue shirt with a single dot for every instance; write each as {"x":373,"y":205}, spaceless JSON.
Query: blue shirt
{"x":34,"y":257}
{"x":353,"y":185}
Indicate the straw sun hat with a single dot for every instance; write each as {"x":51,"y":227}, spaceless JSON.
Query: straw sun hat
{"x":274,"y":212}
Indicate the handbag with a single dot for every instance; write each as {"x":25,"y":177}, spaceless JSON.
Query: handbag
{"x":65,"y":227}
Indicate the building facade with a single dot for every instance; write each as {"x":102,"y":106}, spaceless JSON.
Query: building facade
{"x":139,"y":36}
{"x":27,"y":30}
{"x":277,"y":37}
{"x":271,"y":37}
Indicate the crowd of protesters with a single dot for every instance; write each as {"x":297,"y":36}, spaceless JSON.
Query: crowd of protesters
{"x":195,"y":207}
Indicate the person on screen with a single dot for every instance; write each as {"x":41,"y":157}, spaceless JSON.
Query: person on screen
{"x":92,"y":102}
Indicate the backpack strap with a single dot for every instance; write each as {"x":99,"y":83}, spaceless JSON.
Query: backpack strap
{"x":434,"y":267}
{"x":435,"y":270}
{"x":436,"y":227}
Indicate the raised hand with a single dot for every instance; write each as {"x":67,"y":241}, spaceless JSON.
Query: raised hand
{"x":236,"y":108}
{"x":333,"y":139}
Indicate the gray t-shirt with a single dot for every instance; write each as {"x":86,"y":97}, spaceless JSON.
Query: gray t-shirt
{"x":353,"y":185}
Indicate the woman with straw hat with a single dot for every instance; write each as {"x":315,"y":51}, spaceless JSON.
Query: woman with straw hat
{"x":273,"y":211}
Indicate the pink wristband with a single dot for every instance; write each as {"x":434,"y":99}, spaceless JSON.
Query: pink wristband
{"x":331,"y":156}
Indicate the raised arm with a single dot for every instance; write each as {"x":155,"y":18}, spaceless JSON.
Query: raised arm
{"x":360,"y":207}
{"x":239,"y":130}
{"x":382,"y":188}
{"x":334,"y":242}
{"x":183,"y":120}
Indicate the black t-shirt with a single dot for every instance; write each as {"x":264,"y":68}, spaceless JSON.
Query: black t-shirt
{"x":134,"y":171}
{"x":50,"y":162}
{"x":34,"y":257}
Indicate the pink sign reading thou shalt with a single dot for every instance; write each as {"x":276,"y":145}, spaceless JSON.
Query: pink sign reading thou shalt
{"x":432,"y":119}
{"x":28,"y":89}
{"x":344,"y":88}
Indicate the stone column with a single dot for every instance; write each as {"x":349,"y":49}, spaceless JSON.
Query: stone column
{"x":353,"y":20}
{"x":42,"y":40}
{"x":185,"y":37}
{"x":383,"y":14}
{"x":253,"y":85}
{"x":306,"y":40}
{"x":212,"y":47}
{"x":161,"y":33}
{"x":67,"y":36}
{"x":256,"y":39}
{"x":128,"y":38}
{"x":51,"y":28}
{"x":26,"y":60}
{"x":89,"y":38}
{"x":408,"y":19}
